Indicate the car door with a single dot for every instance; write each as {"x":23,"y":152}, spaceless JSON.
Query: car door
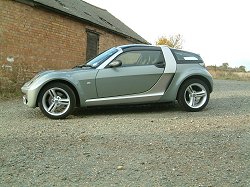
{"x":140,"y":70}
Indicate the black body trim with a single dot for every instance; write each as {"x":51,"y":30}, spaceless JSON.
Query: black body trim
{"x":140,"y":48}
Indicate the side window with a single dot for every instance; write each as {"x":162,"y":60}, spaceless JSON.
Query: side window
{"x":186,"y":57}
{"x":138,"y":58}
{"x":92,"y":45}
{"x":129,"y":58}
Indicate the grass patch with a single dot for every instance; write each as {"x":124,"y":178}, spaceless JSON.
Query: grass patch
{"x":11,"y":81}
{"x":5,"y":95}
{"x":229,"y":75}
{"x":9,"y":90}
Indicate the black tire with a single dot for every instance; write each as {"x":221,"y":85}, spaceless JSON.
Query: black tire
{"x":193,"y":95}
{"x":57,"y":100}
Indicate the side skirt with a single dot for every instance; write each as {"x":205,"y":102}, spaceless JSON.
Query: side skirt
{"x":129,"y":99}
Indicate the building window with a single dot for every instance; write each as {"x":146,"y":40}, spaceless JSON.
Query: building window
{"x":92,"y":45}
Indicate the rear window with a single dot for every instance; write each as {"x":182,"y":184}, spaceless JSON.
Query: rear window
{"x":186,"y":57}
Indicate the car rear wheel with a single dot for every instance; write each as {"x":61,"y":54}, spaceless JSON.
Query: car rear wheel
{"x":57,"y":100}
{"x":193,"y":95}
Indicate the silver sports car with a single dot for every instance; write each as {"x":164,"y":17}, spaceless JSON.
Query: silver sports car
{"x":129,"y":74}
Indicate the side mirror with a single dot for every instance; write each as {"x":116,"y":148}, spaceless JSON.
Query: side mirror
{"x":115,"y":64}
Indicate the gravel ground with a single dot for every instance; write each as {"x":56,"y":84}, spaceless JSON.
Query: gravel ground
{"x":151,"y":145}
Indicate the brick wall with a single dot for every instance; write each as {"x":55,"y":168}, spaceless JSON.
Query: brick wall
{"x":38,"y":39}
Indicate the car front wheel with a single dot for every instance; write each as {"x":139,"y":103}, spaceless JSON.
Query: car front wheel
{"x":193,"y":95}
{"x":57,"y":100}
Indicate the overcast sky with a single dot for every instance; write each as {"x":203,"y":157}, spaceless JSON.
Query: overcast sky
{"x":219,"y":30}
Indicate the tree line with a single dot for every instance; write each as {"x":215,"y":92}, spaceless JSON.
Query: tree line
{"x":225,"y":67}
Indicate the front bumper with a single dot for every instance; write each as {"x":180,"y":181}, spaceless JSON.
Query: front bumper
{"x":30,"y":96}
{"x":25,"y":100}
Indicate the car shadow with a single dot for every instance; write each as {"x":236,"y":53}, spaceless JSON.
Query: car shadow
{"x":127,"y":109}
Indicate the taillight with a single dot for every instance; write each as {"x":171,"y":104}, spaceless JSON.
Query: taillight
{"x":202,"y":64}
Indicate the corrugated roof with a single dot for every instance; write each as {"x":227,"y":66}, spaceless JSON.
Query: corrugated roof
{"x":92,"y":14}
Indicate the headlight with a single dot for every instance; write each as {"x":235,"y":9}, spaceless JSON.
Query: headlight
{"x":32,"y":80}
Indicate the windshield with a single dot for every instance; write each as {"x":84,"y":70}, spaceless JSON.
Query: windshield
{"x":98,"y":60}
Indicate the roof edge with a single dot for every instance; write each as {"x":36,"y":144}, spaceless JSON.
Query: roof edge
{"x":34,"y":3}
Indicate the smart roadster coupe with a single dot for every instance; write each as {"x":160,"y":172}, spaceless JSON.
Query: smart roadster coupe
{"x":129,"y":74}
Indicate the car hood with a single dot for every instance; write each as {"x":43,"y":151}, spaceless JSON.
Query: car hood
{"x":67,"y":71}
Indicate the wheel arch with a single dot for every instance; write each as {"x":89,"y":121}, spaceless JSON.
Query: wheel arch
{"x":69,"y":84}
{"x":204,"y":79}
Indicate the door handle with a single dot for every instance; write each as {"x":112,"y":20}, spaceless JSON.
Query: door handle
{"x":160,"y":64}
